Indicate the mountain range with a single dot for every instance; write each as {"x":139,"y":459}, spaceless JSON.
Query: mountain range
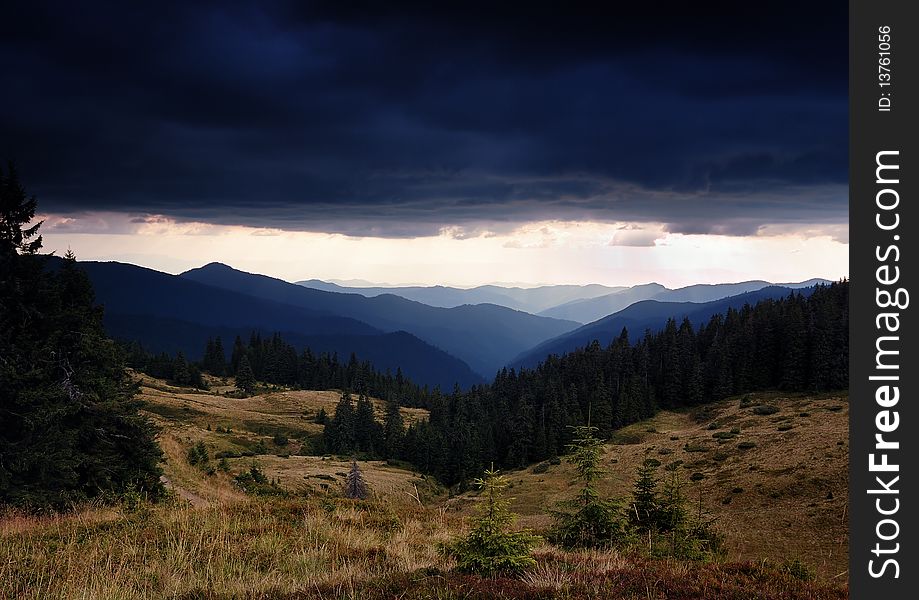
{"x":532,"y":300}
{"x":168,"y":313}
{"x":466,"y":343}
{"x":579,"y":303}
{"x":647,"y":315}
{"x":587,"y":310}
{"x":485,"y":336}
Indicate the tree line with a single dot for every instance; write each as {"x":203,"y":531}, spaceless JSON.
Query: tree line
{"x":271,"y":360}
{"x":798,"y":343}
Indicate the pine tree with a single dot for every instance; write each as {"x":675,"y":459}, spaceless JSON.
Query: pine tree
{"x":366,"y":429}
{"x":394,"y":430}
{"x":17,"y":209}
{"x":645,"y":505}
{"x":219,"y":360}
{"x":239,"y":350}
{"x":491,"y":548}
{"x":180,"y":371}
{"x":339,"y":432}
{"x":71,"y":427}
{"x":355,"y":486}
{"x":245,"y":378}
{"x":587,"y":520}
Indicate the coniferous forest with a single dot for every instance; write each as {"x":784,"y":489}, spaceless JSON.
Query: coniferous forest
{"x":798,"y":343}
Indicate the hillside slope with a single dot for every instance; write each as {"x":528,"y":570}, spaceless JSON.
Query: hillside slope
{"x":246,"y":430}
{"x":777,"y":488}
{"x":169,"y":313}
{"x":485,"y":336}
{"x":590,"y":309}
{"x":212,"y":540}
{"x":647,"y":314}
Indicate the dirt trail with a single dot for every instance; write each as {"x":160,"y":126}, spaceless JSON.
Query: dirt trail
{"x":195,"y":500}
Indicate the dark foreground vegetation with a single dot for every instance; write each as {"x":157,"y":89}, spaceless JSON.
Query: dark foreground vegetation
{"x":70,"y":430}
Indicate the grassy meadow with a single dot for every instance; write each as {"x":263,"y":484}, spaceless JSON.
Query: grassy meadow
{"x":770,"y":470}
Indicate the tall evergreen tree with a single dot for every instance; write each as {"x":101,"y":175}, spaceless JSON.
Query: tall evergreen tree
{"x":339,"y":432}
{"x":245,"y":378}
{"x":394,"y":430}
{"x":71,"y":428}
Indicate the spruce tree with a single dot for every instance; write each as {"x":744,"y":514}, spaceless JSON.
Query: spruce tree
{"x":587,"y":521}
{"x":491,"y":548}
{"x":366,"y":430}
{"x":645,"y":505}
{"x":339,"y":432}
{"x":245,"y":378}
{"x":219,"y":360}
{"x":71,"y":428}
{"x":355,"y":486}
{"x":394,"y":431}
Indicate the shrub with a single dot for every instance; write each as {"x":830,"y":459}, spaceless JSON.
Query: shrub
{"x":626,"y":438}
{"x":256,"y":483}
{"x":490,"y":548}
{"x":798,"y":570}
{"x":280,"y":439}
{"x":746,"y":445}
{"x":765,"y":409}
{"x":197,"y":455}
{"x":695,"y":447}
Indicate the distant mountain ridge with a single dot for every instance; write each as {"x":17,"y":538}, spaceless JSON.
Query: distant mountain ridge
{"x":531,"y":300}
{"x":591,"y":309}
{"x":485,"y":336}
{"x":169,"y":313}
{"x":579,"y":303}
{"x":646,"y":314}
{"x":422,"y":362}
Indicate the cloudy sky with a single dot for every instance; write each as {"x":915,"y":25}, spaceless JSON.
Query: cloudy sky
{"x":686,"y":143}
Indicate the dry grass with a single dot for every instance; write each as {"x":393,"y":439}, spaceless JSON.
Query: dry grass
{"x":782,"y":499}
{"x":236,"y":549}
{"x":315,"y":545}
{"x":187,"y":417}
{"x":323,"y":548}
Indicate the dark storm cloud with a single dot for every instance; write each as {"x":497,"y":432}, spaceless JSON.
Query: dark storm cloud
{"x":389,"y":122}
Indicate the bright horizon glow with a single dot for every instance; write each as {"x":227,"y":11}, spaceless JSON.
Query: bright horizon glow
{"x":538,"y":253}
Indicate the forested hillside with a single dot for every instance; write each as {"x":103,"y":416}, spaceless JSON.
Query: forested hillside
{"x":796,"y":343}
